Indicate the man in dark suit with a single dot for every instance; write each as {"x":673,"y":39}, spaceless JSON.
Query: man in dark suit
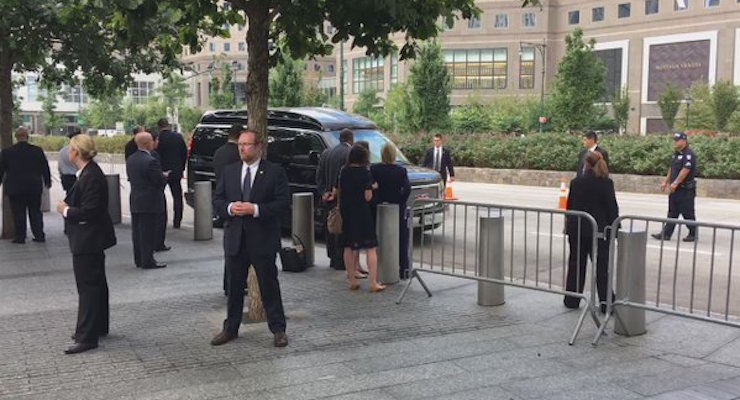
{"x":174,"y":154}
{"x":590,"y":143}
{"x":438,"y":158}
{"x":146,"y":200}
{"x":161,"y":231}
{"x":330,"y":163}
{"x":25,"y":169}
{"x":130,"y":147}
{"x":252,"y":196}
{"x":90,"y":232}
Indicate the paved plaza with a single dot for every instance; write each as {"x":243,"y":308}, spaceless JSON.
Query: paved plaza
{"x":343,"y":344}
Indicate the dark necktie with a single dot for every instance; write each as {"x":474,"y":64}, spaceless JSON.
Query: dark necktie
{"x":246,"y":185}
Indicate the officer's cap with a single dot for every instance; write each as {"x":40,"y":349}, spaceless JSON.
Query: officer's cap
{"x":680,"y":136}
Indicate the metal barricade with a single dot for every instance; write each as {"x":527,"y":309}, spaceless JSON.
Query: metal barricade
{"x":690,"y":280}
{"x":536,"y":248}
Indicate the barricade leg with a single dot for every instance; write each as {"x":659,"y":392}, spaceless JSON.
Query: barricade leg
{"x":630,"y":283}
{"x":114,"y":197}
{"x":491,"y":260}
{"x":388,"y":243}
{"x":302,"y":224}
{"x":203,"y":210}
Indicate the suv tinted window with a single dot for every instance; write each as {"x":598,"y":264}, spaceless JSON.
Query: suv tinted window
{"x":206,"y":140}
{"x":303,"y":145}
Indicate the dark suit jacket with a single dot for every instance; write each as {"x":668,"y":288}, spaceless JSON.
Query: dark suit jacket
{"x":269,"y":192}
{"x":25,"y":169}
{"x":227,"y":154}
{"x":595,"y":196}
{"x":446,"y":166}
{"x":173,"y":153}
{"x":331,"y":162}
{"x":393,"y":184}
{"x":88,"y":224}
{"x":145,"y":174}
{"x":582,"y":159}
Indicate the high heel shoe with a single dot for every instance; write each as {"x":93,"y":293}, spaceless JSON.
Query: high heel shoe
{"x":377,"y":288}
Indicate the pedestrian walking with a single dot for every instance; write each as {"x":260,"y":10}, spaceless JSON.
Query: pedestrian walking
{"x":438,"y":158}
{"x":90,"y":232}
{"x":174,"y":154}
{"x":67,"y":170}
{"x":681,"y":183}
{"x":25,"y":171}
{"x":590,"y":143}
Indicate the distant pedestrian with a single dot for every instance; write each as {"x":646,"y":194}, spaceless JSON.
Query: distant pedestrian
{"x":26,"y":172}
{"x":173,"y":153}
{"x":67,"y":170}
{"x":90,"y":232}
{"x":146,"y":200}
{"x":438,"y":158}
{"x":593,"y":193}
{"x":327,"y":177}
{"x":590,"y":143}
{"x":131,"y":144}
{"x":355,"y":194}
{"x":681,"y":179}
{"x":393,"y":187}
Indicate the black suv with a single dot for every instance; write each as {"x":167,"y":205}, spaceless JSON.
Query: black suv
{"x":296,"y":139}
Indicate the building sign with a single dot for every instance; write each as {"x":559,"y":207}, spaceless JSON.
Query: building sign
{"x":681,"y":64}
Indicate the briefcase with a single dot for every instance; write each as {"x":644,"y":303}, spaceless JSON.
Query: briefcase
{"x":294,"y":258}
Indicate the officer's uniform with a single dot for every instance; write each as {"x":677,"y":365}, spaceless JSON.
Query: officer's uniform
{"x":681,"y":202}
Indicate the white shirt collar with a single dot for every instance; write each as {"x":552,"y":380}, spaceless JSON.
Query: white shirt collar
{"x":593,"y":148}
{"x":253,"y":167}
{"x":79,"y":171}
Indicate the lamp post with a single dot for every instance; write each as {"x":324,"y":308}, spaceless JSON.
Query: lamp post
{"x":688,"y":100}
{"x":235,"y":67}
{"x":542,"y":48}
{"x":341,"y":69}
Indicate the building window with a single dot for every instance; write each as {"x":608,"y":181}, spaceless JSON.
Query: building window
{"x":212,"y":47}
{"x":367,"y":74}
{"x":612,"y":59}
{"x":473,"y":23}
{"x":394,"y":69}
{"x":74,"y":94}
{"x":529,"y":20}
{"x":473,"y":69}
{"x":140,"y":91}
{"x":227,"y":47}
{"x":711,"y":3}
{"x":240,"y":27}
{"x":330,"y":68}
{"x":501,"y":21}
{"x":680,"y":5}
{"x":32,"y":86}
{"x":624,"y":10}
{"x":526,"y":68}
{"x":345,"y":77}
{"x":574,"y":17}
{"x":652,"y":7}
{"x":597,"y":14}
{"x":242,"y":47}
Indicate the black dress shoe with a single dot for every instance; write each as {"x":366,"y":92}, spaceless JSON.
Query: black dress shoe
{"x":689,"y":239}
{"x":281,"y":339}
{"x":223,"y":337}
{"x":155,"y":266}
{"x":163,"y":248}
{"x":39,"y":240}
{"x":19,"y":241}
{"x":176,"y":226}
{"x":81,"y":348}
{"x":660,"y":236}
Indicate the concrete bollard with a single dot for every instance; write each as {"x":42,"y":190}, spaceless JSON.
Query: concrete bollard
{"x":388,"y":243}
{"x":302,"y":224}
{"x":631,"y":282}
{"x":203,"y":210}
{"x":114,"y":197}
{"x":45,"y":199}
{"x":491,"y":260}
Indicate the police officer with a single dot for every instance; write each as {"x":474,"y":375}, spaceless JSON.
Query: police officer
{"x":682,"y":180}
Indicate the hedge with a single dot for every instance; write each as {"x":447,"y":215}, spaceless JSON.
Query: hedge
{"x":719,"y":157}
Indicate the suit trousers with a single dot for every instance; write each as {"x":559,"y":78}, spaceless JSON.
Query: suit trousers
{"x":269,"y":289}
{"x":20,"y":204}
{"x":161,"y":230}
{"x":93,"y":313}
{"x":681,"y":203}
{"x":143,"y":235}
{"x":176,"y":190}
{"x":580,"y":251}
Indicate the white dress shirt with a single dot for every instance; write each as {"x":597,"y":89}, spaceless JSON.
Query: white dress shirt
{"x":253,"y":168}
{"x":438,"y":158}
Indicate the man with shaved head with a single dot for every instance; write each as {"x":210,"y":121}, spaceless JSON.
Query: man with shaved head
{"x":146,"y":200}
{"x":25,"y":169}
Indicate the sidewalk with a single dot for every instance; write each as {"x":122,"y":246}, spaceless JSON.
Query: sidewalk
{"x":343,"y":345}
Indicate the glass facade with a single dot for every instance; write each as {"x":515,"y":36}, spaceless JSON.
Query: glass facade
{"x":140,"y":91}
{"x":478,"y":68}
{"x":367,"y":73}
{"x":526,"y":68}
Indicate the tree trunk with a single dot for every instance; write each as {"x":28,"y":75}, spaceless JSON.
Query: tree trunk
{"x":256,"y":311}
{"x":258,"y":67}
{"x":6,"y":125}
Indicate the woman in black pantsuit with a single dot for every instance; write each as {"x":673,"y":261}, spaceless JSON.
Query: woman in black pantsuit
{"x":394,"y":188}
{"x":90,"y":232}
{"x":592,"y":193}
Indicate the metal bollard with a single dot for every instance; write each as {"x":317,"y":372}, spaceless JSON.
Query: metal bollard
{"x":45,"y":199}
{"x":491,"y":260}
{"x":114,"y":197}
{"x":631,"y":282}
{"x":302,"y":224}
{"x":388,"y":243}
{"x":203,"y":210}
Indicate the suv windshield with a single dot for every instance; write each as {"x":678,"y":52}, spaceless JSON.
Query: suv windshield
{"x":376,"y":139}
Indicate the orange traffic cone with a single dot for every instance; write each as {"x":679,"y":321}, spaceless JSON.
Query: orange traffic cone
{"x":563,"y":201}
{"x":448,"y":192}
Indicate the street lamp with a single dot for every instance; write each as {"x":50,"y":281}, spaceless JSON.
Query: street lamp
{"x":688,"y":100}
{"x":542,"y":48}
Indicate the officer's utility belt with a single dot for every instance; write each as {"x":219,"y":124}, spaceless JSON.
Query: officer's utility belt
{"x":688,"y":185}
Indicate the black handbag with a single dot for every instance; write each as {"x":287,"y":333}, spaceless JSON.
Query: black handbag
{"x":293,"y":259}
